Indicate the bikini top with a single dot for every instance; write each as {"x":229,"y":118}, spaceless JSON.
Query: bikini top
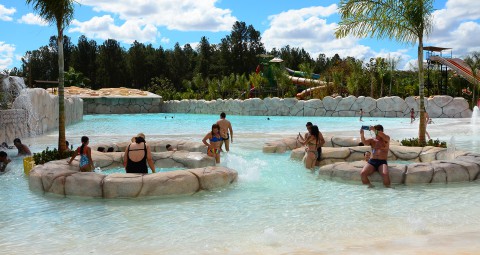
{"x":215,"y":139}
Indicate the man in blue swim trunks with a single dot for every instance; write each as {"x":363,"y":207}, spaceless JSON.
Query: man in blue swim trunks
{"x":378,"y":162}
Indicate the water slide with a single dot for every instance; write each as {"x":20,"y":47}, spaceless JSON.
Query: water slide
{"x":459,"y":66}
{"x":298,"y":78}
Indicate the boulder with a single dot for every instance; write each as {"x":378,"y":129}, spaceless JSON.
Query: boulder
{"x":405,"y":152}
{"x":84,"y":185}
{"x":336,"y":153}
{"x":454,"y":172}
{"x":419,"y":173}
{"x":122,"y":185}
{"x":298,"y":154}
{"x":193,"y":159}
{"x":169,"y":183}
{"x":214,"y":177}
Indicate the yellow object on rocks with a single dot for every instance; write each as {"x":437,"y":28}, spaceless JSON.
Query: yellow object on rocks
{"x":28,"y":164}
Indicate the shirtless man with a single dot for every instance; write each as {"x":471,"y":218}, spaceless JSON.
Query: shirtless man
{"x":226,"y":131}
{"x":378,"y":162}
{"x":23,"y":149}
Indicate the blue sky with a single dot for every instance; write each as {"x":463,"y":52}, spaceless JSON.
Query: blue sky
{"x":300,"y":23}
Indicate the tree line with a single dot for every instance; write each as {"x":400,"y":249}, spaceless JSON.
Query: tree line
{"x":223,"y":70}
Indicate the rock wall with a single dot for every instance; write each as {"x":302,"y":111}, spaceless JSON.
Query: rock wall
{"x":35,"y":111}
{"x":125,"y":105}
{"x":437,"y":107}
{"x":13,"y":124}
{"x":59,"y":178}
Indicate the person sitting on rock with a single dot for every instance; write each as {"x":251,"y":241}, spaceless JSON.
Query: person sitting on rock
{"x":85,"y":152}
{"x":23,"y":149}
{"x":4,"y":160}
{"x":378,"y":162}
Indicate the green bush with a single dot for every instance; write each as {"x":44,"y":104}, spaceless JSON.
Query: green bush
{"x":50,"y":155}
{"x":413,"y":142}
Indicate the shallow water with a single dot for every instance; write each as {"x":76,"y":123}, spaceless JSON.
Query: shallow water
{"x":276,"y":207}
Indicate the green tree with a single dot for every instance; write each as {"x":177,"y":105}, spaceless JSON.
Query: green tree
{"x":85,"y":60}
{"x":111,"y":64}
{"x":382,"y":69}
{"x":473,"y":61}
{"x":406,"y":21}
{"x":74,"y":78}
{"x":137,"y":65}
{"x":60,"y":13}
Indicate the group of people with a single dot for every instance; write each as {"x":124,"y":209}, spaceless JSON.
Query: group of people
{"x":313,"y":141}
{"x":221,"y":133}
{"x":23,"y":150}
{"x":376,"y":160}
{"x":138,"y":155}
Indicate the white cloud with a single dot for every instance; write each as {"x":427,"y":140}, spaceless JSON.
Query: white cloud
{"x":6,"y":13}
{"x":308,"y":28}
{"x":33,"y":19}
{"x":183,"y":15}
{"x":165,"y":40}
{"x":104,"y":28}
{"x":456,"y":26}
{"x":6,"y":55}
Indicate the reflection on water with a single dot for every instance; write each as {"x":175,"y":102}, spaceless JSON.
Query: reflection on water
{"x":275,"y":207}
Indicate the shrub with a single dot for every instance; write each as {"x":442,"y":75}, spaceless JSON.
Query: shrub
{"x":50,"y":155}
{"x":413,"y":142}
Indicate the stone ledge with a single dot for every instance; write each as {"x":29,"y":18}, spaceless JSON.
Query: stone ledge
{"x":59,"y":178}
{"x":464,"y":168}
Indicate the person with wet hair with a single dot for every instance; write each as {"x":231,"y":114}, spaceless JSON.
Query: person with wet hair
{"x":137,"y":155}
{"x":85,"y":152}
{"x":4,"y":160}
{"x":23,"y":149}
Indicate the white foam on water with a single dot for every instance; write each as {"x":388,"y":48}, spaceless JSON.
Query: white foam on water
{"x":248,"y":170}
{"x":451,"y":148}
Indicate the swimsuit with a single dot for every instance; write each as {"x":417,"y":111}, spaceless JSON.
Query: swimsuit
{"x":83,"y":160}
{"x":216,"y":139}
{"x":319,"y":153}
{"x":377,"y":163}
{"x":139,"y":167}
{"x":228,"y":137}
{"x":214,"y":150}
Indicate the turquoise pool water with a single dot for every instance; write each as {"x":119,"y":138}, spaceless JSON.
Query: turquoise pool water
{"x":276,"y":207}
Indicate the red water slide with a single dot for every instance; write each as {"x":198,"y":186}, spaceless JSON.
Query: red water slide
{"x":459,"y":66}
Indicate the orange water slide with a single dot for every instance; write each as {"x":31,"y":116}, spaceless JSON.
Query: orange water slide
{"x":459,"y":66}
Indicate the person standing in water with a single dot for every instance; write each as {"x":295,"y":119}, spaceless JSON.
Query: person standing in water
{"x":137,"y":155}
{"x":361,"y":114}
{"x":226,"y":131}
{"x":215,"y":139}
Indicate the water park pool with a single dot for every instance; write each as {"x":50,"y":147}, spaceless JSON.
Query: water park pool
{"x":276,"y":207}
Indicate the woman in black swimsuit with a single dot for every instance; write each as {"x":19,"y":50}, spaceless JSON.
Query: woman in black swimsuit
{"x":136,"y":156}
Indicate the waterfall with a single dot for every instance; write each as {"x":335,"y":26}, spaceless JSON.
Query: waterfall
{"x":10,"y":88}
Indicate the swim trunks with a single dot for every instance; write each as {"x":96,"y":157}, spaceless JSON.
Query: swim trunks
{"x":377,"y":163}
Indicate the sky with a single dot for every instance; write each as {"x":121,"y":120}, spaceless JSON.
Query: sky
{"x":306,"y":24}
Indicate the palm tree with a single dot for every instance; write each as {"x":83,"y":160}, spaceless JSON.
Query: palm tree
{"x":406,"y":21}
{"x":60,"y":13}
{"x":473,"y":61}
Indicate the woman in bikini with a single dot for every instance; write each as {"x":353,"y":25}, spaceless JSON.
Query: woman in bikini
{"x":137,"y":155}
{"x":312,"y":143}
{"x":215,"y":140}
{"x":85,"y":152}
